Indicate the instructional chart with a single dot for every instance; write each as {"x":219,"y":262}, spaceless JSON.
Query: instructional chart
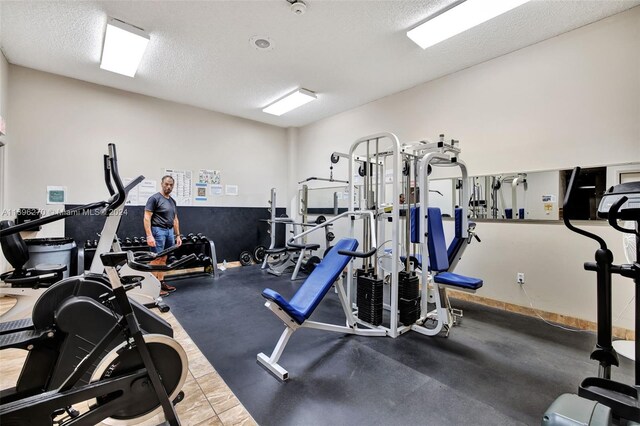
{"x":183,"y":188}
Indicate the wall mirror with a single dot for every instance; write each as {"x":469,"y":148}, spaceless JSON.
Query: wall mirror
{"x":535,"y":195}
{"x":325,"y":201}
{"x":517,"y":196}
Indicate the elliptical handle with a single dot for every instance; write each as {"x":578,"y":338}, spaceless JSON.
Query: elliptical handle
{"x":567,"y":207}
{"x":107,"y":175}
{"x":613,"y":216}
{"x":121,"y":196}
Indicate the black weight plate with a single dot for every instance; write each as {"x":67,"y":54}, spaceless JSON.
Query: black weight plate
{"x":245,"y":258}
{"x":258,"y":254}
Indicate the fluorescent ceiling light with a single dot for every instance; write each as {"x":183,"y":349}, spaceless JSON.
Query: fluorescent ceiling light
{"x":289,"y":102}
{"x":123,"y":48}
{"x":459,"y":19}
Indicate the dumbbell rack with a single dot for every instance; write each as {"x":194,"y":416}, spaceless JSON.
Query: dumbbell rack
{"x":196,"y":244}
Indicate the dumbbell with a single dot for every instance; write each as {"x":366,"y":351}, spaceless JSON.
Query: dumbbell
{"x":95,"y":243}
{"x":127,"y":242}
{"x":136,"y":241}
{"x":143,"y":241}
{"x":88,"y":244}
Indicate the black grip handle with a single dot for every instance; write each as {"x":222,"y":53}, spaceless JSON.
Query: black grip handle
{"x":613,"y":215}
{"x":121,"y":194}
{"x":160,"y":268}
{"x":51,"y":218}
{"x":31,"y":281}
{"x":591,"y":266}
{"x":107,"y":175}
{"x":567,"y":210}
{"x":304,"y":246}
{"x":147,"y":256}
{"x":359,"y":254}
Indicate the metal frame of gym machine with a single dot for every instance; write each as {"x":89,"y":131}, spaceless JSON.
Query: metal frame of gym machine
{"x":438,"y":154}
{"x":421,"y":154}
{"x":394,"y":330}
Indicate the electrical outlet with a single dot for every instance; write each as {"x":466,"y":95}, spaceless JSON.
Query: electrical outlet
{"x":520,"y":278}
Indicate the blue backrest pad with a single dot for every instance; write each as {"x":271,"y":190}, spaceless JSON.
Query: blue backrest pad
{"x":415,"y":225}
{"x":508,"y":213}
{"x":322,"y":278}
{"x":458,"y":229}
{"x":521,"y":213}
{"x":456,"y":243}
{"x":436,"y":244}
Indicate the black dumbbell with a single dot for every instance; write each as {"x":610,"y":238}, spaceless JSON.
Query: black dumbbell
{"x":127,"y":242}
{"x":87,"y":244}
{"x":136,"y":241}
{"x":95,"y":243}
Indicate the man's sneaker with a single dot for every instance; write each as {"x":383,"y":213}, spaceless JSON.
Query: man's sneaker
{"x":164,"y":293}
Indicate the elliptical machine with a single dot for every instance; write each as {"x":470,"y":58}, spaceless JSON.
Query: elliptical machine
{"x":73,"y":331}
{"x":28,"y":285}
{"x":612,"y":399}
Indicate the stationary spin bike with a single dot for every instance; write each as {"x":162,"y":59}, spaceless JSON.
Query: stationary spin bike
{"x":136,"y":380}
{"x":600,"y":399}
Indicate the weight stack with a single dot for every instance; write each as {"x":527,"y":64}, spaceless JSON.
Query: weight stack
{"x":369,"y":299}
{"x":409,"y":310}
{"x":408,"y":297}
{"x":408,"y":285}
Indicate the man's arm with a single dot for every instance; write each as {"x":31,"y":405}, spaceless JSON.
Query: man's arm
{"x":151,"y":242}
{"x":176,"y":230}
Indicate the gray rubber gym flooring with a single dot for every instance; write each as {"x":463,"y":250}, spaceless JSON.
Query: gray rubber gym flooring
{"x":496,"y":368}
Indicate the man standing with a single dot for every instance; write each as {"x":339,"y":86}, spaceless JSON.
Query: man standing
{"x":160,"y":225}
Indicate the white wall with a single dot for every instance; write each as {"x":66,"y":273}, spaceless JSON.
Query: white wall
{"x":60,"y":128}
{"x":571,"y":100}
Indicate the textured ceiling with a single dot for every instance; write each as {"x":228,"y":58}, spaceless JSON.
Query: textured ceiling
{"x":349,"y":52}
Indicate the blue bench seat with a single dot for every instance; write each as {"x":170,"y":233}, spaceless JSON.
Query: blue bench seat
{"x":316,"y":286}
{"x":456,"y":280}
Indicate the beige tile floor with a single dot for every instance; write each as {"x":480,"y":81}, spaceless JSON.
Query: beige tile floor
{"x":208,"y":400}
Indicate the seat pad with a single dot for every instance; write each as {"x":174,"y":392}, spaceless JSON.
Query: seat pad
{"x":455,"y":280}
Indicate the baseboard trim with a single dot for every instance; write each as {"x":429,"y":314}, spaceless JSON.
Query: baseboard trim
{"x":565,"y":320}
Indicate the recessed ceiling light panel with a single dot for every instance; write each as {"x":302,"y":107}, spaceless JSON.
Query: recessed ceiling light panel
{"x":291,"y":101}
{"x":123,"y":48}
{"x":458,"y":19}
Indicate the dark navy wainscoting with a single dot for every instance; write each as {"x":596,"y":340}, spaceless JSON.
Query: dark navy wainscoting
{"x":232,"y":229}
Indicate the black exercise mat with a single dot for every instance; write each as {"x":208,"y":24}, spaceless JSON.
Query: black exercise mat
{"x":496,"y":368}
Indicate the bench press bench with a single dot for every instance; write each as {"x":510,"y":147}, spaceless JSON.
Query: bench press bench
{"x":295,"y":312}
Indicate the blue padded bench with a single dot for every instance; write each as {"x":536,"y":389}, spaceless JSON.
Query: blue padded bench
{"x":438,"y":256}
{"x":316,"y":286}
